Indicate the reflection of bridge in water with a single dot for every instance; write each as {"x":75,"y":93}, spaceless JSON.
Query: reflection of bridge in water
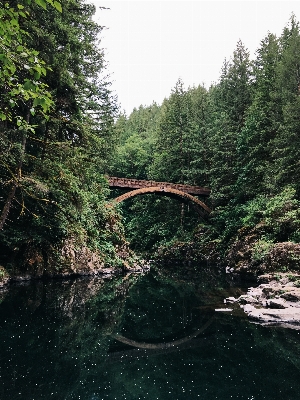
{"x":140,"y":187}
{"x":143,"y":349}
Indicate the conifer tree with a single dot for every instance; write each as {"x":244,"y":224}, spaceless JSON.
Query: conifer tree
{"x":231,"y":98}
{"x":61,"y":190}
{"x":198,"y":144}
{"x":172,"y":154}
{"x":264,"y":116}
{"x":136,"y":137}
{"x":286,"y":144}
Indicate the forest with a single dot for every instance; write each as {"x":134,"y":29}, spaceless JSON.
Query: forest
{"x":62,"y":134}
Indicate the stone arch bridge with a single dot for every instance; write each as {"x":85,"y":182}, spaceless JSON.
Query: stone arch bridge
{"x":139,"y":187}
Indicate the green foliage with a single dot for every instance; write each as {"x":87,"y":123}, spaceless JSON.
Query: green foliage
{"x":261,"y":248}
{"x":279,"y":214}
{"x":170,"y":157}
{"x":133,"y":157}
{"x":52,"y":184}
{"x":21,"y":69}
{"x":239,"y":138}
{"x":137,"y":135}
{"x":286,"y":142}
{"x":263,"y":119}
{"x":230,"y":100}
{"x":3,"y":274}
{"x":151,"y":221}
{"x":58,"y":139}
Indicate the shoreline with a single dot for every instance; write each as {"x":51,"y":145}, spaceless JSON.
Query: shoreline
{"x":274,"y":302}
{"x":108,"y":272}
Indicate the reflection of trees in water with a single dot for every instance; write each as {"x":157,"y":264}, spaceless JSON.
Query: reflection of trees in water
{"x":161,"y":307}
{"x":58,"y":339}
{"x":232,"y":359}
{"x":64,"y":329}
{"x":3,"y":293}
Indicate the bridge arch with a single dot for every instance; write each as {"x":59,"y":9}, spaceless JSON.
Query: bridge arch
{"x":164,"y":345}
{"x":167,"y":191}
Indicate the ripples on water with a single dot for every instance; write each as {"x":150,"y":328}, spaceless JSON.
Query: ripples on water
{"x":140,"y":337}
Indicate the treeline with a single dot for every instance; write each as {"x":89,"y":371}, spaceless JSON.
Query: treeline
{"x":56,"y":132}
{"x":241,"y":138}
{"x":60,"y":134}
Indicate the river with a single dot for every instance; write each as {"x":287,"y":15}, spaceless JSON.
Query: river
{"x":152,"y":336}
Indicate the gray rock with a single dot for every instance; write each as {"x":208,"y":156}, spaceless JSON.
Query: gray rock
{"x":276,"y":303}
{"x":230,"y":300}
{"x":266,"y":278}
{"x":287,"y":315}
{"x":293,"y":295}
{"x":246,"y":299}
{"x":249,"y":308}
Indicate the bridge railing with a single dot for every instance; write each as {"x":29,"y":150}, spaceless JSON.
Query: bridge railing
{"x":116,"y":182}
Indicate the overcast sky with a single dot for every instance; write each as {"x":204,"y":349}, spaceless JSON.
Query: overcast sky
{"x":150,"y":44}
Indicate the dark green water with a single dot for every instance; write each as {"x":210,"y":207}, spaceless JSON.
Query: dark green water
{"x":140,"y":337}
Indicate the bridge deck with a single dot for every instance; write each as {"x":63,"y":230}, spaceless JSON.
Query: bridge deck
{"x":115,"y":182}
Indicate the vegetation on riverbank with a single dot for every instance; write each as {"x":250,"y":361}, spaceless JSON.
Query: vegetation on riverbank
{"x":56,"y":134}
{"x":60,"y":134}
{"x":241,"y":139}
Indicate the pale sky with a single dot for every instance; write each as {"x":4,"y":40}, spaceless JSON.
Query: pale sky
{"x":150,"y":44}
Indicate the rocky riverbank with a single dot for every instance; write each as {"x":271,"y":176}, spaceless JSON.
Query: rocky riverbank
{"x":275,"y":301}
{"x":68,"y":262}
{"x":6,"y":279}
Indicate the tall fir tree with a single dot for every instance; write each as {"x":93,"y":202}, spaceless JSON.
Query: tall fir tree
{"x":231,"y":98}
{"x":136,"y":136}
{"x":60,"y":191}
{"x":286,"y":144}
{"x":264,"y":116}
{"x":172,"y":153}
{"x":199,"y":114}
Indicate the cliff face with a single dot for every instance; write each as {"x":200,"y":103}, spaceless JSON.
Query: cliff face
{"x":69,"y":260}
{"x":252,"y":253}
{"x":66,"y":260}
{"x":73,"y":256}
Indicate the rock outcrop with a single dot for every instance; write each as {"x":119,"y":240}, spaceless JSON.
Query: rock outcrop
{"x":69,"y":260}
{"x":252,"y":253}
{"x":276,"y":301}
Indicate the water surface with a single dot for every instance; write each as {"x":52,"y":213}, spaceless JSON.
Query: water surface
{"x":155,"y":336}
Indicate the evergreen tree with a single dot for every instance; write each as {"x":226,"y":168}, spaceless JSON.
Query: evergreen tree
{"x":198,"y":143}
{"x":286,"y":144}
{"x":230,"y":101}
{"x":22,"y":92}
{"x":172,"y":151}
{"x":61,"y":190}
{"x":264,"y":116}
{"x":134,"y":152}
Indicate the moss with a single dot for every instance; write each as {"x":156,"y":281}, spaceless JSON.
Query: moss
{"x":4,"y":276}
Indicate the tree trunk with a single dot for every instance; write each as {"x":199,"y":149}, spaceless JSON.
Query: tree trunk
{"x":15,"y":184}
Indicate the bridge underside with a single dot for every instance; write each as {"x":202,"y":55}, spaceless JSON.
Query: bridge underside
{"x":165,"y":191}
